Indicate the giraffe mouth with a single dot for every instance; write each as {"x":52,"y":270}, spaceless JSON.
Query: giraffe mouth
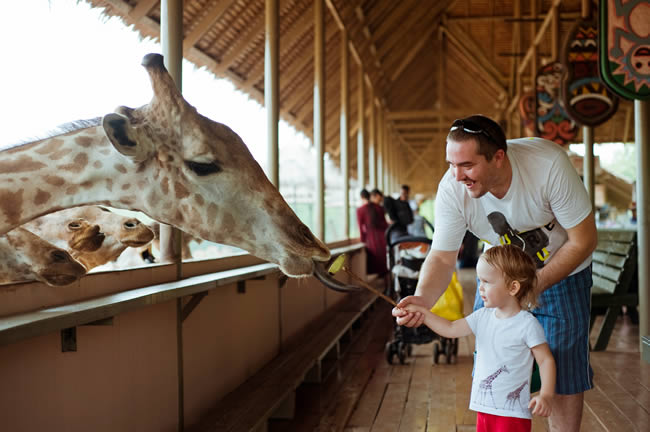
{"x":326,"y":278}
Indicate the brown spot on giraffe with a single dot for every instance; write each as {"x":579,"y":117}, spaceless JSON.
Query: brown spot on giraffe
{"x":180,"y":190}
{"x":84,"y":141}
{"x":164,"y":185}
{"x":22,"y":164}
{"x":199,"y":199}
{"x":179,"y":216}
{"x":60,"y":153}
{"x":126,"y":186}
{"x":212,"y":213}
{"x":128,"y":200}
{"x":86,"y":185}
{"x":228,"y":223}
{"x":78,"y":164}
{"x":52,"y":146}
{"x":109,"y":185}
{"x":41,"y":197}
{"x":12,"y":204}
{"x":24,"y":179}
{"x":142,"y":184}
{"x":121,"y":168}
{"x":105,"y":152}
{"x":72,"y":190}
{"x":152,"y":199}
{"x":97,"y":164}
{"x":54,"y":180}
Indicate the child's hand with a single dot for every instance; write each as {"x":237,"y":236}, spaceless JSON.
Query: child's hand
{"x":540,"y":405}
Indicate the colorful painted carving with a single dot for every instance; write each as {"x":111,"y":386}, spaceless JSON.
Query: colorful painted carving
{"x":587,"y":99}
{"x":527,"y":113}
{"x":553,"y":122}
{"x":625,"y":47}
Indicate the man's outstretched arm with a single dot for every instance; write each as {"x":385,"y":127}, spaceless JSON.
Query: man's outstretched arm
{"x":435,"y":276}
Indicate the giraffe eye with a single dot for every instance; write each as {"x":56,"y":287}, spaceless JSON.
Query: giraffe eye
{"x":203,"y":169}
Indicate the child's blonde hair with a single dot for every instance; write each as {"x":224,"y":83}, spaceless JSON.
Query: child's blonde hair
{"x":516,"y":265}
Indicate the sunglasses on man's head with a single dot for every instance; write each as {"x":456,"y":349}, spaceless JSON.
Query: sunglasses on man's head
{"x":469,"y":127}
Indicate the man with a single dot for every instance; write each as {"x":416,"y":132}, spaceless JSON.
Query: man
{"x":524,"y":192}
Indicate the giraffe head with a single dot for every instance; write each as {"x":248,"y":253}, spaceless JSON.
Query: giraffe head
{"x":117,"y":232}
{"x":69,"y":233}
{"x":199,"y":176}
{"x":29,"y":257}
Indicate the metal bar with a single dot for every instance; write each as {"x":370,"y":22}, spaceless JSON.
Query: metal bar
{"x":361,"y":131}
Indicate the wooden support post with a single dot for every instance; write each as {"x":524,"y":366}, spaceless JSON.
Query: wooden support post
{"x":361,"y":150}
{"x":319,"y":114}
{"x":271,"y":94}
{"x":642,"y":138}
{"x":588,"y":163}
{"x":372,"y":145}
{"x":345,"y":129}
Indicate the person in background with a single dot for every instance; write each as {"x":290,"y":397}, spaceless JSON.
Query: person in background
{"x":400,"y":213}
{"x":372,"y":228}
{"x":527,"y":193}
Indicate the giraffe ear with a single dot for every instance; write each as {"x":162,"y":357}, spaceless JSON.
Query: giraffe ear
{"x":125,"y":138}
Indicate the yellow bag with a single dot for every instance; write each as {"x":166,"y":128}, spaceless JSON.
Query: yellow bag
{"x":450,"y":304}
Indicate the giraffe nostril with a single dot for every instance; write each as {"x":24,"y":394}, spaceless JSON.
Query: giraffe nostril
{"x":59,"y":256}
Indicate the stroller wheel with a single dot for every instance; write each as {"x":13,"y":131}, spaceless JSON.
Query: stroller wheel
{"x":401,"y":352}
{"x":449,"y":351}
{"x":409,"y":350}
{"x":390,"y":352}
{"x":436,"y":351}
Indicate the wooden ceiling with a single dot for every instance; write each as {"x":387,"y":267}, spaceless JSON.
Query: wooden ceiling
{"x":426,"y":62}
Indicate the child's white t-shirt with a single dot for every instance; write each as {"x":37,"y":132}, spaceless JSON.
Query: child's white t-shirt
{"x":504,"y":362}
{"x":546,"y":197}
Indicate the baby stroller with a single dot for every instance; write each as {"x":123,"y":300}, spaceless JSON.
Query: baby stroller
{"x":405,"y":257}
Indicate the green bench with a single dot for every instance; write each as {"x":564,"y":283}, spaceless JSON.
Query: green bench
{"x":615,"y":279}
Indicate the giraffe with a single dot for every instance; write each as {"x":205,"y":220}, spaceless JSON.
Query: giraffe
{"x":485,"y":385}
{"x":119,"y":232}
{"x":25,"y":256}
{"x":514,"y":397}
{"x":76,"y":234}
{"x":173,"y":164}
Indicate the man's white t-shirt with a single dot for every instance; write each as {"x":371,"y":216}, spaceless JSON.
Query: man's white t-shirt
{"x":546,"y":197}
{"x":504,"y":362}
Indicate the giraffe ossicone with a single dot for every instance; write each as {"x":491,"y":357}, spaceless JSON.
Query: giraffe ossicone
{"x":173,"y":164}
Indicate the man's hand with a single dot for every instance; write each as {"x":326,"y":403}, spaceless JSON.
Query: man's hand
{"x":409,"y":319}
{"x":540,"y":405}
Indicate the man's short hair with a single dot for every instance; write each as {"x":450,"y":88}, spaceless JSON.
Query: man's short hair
{"x":376,"y":192}
{"x":406,"y":188}
{"x":365,"y":194}
{"x":487,"y":133}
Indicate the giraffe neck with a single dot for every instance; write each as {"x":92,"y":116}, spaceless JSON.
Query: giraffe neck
{"x":77,"y":168}
{"x":13,"y":267}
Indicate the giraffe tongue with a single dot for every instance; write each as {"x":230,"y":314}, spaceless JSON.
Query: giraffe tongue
{"x":321,"y":273}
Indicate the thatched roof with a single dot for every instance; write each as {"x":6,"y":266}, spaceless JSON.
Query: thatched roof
{"x":429,"y":61}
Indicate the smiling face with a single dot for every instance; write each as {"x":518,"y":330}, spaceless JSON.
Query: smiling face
{"x":473,"y":170}
{"x":493,"y":289}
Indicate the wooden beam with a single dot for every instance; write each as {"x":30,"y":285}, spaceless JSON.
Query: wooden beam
{"x":402,"y":10}
{"x":415,"y":49}
{"x":206,"y":23}
{"x":564,"y":16}
{"x":142,"y":9}
{"x":296,"y":32}
{"x":474,"y":54}
{"x":419,"y":114}
{"x":412,"y":25}
{"x":538,"y":37}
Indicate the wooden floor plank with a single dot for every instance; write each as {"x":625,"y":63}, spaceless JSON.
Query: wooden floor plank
{"x":606,"y":412}
{"x":443,"y":398}
{"x":391,"y":409}
{"x":416,"y":410}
